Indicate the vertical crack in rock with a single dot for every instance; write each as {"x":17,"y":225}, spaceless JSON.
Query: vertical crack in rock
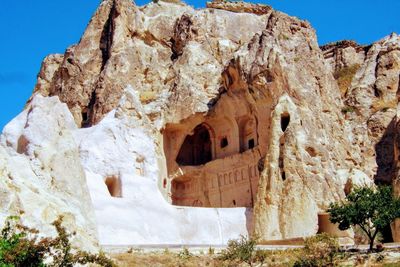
{"x":87,"y":113}
{"x":106,"y":43}
{"x":107,"y":35}
{"x":183,"y":32}
{"x":385,"y":155}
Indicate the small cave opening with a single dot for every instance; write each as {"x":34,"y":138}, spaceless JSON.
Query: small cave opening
{"x":285,"y":120}
{"x":196,"y":149}
{"x":251,"y":144}
{"x":165,"y":183}
{"x":224,"y":142}
{"x":283,"y":174}
{"x":84,"y":117}
{"x":113,"y":184}
{"x":377,"y":92}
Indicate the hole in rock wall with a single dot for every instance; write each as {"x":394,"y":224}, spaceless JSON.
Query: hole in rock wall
{"x":311,"y":151}
{"x":22,"y":146}
{"x":196,"y":149}
{"x":224,"y":142}
{"x":251,"y":143}
{"x":84,"y":117}
{"x":377,"y":93}
{"x":285,"y":120}
{"x":283,"y":174}
{"x":113,"y":184}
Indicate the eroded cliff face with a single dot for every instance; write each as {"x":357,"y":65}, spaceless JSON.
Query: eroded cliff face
{"x":370,"y":101}
{"x":369,"y":79}
{"x":233,"y":108}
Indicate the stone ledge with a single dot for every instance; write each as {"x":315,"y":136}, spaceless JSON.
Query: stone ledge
{"x":240,"y":7}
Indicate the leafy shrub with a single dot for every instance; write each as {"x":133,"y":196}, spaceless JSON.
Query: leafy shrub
{"x":241,"y":250}
{"x":20,"y":246}
{"x":18,"y":249}
{"x":319,"y":250}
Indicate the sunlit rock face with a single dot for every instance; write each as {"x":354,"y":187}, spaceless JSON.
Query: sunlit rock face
{"x":41,"y":174}
{"x":371,"y":99}
{"x":195,"y":126}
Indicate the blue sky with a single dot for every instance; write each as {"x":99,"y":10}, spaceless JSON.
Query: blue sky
{"x":32,"y":29}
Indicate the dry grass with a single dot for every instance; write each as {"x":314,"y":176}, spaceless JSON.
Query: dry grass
{"x":171,"y":259}
{"x":147,"y":96}
{"x":167,"y":259}
{"x":344,"y":77}
{"x":383,"y":105}
{"x":263,"y":258}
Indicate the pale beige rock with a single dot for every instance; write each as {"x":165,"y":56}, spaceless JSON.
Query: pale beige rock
{"x":42,"y":178}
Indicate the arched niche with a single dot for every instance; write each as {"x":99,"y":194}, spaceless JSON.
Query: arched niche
{"x":226,"y":136}
{"x":196,"y":148}
{"x":247,"y":133}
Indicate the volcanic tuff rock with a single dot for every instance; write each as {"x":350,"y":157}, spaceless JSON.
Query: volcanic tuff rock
{"x":234,"y":108}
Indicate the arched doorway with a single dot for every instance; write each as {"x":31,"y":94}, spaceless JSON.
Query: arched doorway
{"x":196,"y":149}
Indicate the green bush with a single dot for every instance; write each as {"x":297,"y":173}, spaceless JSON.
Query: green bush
{"x":20,"y":246}
{"x":239,"y":250}
{"x":319,"y":250}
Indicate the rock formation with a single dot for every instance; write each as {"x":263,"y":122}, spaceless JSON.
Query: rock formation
{"x":233,"y":108}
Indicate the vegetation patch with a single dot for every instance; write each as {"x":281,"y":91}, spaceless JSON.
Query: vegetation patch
{"x":383,"y":105}
{"x":348,"y":109}
{"x":344,"y":77}
{"x":368,"y":208}
{"x":21,"y":246}
{"x":319,"y":250}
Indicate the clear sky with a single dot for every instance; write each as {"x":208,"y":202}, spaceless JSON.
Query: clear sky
{"x":32,"y":29}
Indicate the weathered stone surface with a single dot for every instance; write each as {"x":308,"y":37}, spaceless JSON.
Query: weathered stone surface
{"x":41,"y":175}
{"x":370,"y":106}
{"x":240,"y":7}
{"x":233,"y":106}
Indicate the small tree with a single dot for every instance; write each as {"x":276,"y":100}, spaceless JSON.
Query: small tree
{"x":371,"y":209}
